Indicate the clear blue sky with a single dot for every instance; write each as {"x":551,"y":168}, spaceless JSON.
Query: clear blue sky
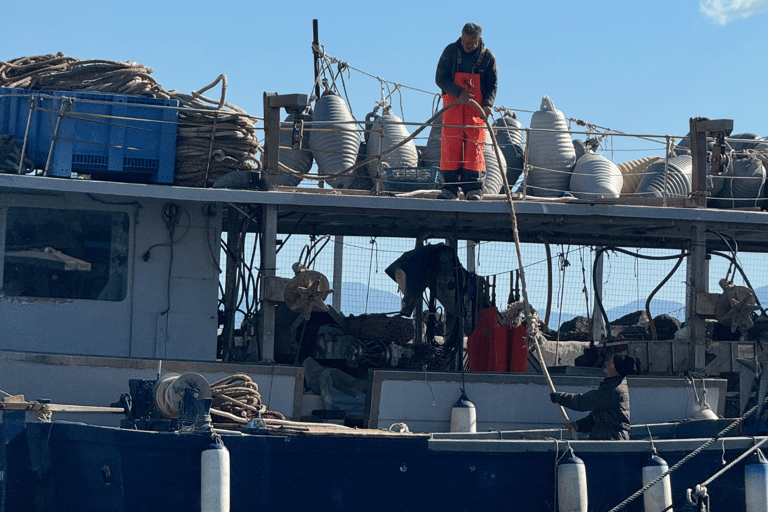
{"x":633,"y":66}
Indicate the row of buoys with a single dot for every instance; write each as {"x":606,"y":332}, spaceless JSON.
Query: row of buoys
{"x":572,"y":484}
{"x":557,"y":164}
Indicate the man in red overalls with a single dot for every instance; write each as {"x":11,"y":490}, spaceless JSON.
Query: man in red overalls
{"x":466,"y":70}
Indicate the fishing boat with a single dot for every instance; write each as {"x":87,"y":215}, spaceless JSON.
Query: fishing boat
{"x":131,"y":387}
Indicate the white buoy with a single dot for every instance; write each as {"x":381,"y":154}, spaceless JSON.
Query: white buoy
{"x":571,"y":484}
{"x":214,"y":478}
{"x":756,"y":484}
{"x":658,"y":497}
{"x":463,"y":415}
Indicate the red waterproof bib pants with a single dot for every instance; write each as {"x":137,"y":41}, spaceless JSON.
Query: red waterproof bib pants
{"x":462,"y":146}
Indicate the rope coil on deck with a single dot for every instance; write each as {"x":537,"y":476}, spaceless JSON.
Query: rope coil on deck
{"x":238,"y":396}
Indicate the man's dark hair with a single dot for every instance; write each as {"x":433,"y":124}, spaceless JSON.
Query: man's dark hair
{"x":473,"y":29}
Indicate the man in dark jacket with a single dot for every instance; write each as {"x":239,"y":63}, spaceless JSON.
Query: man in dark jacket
{"x":609,"y":403}
{"x":466,"y":71}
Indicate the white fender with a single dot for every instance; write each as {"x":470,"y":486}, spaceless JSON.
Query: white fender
{"x":214,"y":478}
{"x":658,"y":497}
{"x":571,"y":484}
{"x":756,"y":484}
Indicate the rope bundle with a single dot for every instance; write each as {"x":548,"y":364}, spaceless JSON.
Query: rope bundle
{"x":61,"y":73}
{"x":238,"y":395}
{"x":213,"y":138}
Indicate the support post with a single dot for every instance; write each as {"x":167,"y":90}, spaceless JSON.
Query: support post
{"x":459,"y":362}
{"x":597,"y":319}
{"x":418,"y":312}
{"x":699,"y":128}
{"x":234,"y":253}
{"x":269,"y":270}
{"x":293,"y":103}
{"x":338,"y":269}
{"x":698,"y":282}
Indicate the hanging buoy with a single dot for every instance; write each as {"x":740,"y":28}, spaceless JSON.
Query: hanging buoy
{"x":463,"y":415}
{"x":658,"y":497}
{"x":571,"y":484}
{"x":756,"y":484}
{"x":214,"y":478}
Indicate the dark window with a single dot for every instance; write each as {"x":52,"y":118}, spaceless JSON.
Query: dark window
{"x":66,"y":254}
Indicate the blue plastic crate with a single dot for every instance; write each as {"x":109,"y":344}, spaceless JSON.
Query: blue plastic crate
{"x":109,"y":136}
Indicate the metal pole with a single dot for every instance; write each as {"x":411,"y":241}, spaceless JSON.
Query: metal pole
{"x":338,"y":268}
{"x":597,"y":318}
{"x":230,"y":281}
{"x":269,"y":270}
{"x":316,"y":47}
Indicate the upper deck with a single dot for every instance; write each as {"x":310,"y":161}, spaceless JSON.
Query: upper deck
{"x":624,"y":222}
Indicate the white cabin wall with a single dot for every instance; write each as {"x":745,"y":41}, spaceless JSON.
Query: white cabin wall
{"x":182,"y":325}
{"x":135,"y":326}
{"x":64,"y":326}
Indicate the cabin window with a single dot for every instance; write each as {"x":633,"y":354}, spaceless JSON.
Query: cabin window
{"x":66,"y":254}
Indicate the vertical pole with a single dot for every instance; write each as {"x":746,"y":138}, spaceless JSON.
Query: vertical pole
{"x":418,"y":312}
{"x":316,"y":48}
{"x":471,"y":265}
{"x":338,"y":268}
{"x":269,"y":270}
{"x":698,"y":282}
{"x":699,"y":157}
{"x":230,"y":281}
{"x":271,"y":142}
{"x":454,"y":244}
{"x":597,"y":318}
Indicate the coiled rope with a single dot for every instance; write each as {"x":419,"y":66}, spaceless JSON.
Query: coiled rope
{"x":238,"y":397}
{"x":61,"y":73}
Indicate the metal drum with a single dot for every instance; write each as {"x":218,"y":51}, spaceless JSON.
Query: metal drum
{"x":509,"y":134}
{"x":334,"y":141}
{"x":596,"y":177}
{"x":633,"y":171}
{"x":492,"y":179}
{"x":430,"y":156}
{"x":676,"y":184}
{"x":550,"y":152}
{"x":388,"y":131}
{"x":743,"y":184}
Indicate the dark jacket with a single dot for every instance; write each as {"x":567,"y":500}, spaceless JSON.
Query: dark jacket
{"x":448,"y":66}
{"x":609,"y":404}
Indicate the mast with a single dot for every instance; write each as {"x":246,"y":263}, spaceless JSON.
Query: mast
{"x":315,"y":51}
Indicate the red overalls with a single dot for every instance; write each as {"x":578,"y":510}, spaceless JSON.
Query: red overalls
{"x":462,"y":146}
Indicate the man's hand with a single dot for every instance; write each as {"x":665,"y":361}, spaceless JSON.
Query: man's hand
{"x":487,"y":111}
{"x":464,"y":97}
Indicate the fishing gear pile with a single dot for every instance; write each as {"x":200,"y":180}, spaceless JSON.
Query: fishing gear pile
{"x":213,"y":137}
{"x":61,"y":73}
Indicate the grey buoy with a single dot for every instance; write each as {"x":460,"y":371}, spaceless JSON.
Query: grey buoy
{"x":463,"y":415}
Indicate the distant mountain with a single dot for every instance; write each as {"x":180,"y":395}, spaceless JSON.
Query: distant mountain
{"x":658,"y":307}
{"x":354,"y":296}
{"x":762,"y":295}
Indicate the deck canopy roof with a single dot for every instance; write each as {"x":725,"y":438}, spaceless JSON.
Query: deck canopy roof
{"x":353,"y":213}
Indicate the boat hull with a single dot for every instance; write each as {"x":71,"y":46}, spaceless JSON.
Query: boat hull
{"x":81,"y":467}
